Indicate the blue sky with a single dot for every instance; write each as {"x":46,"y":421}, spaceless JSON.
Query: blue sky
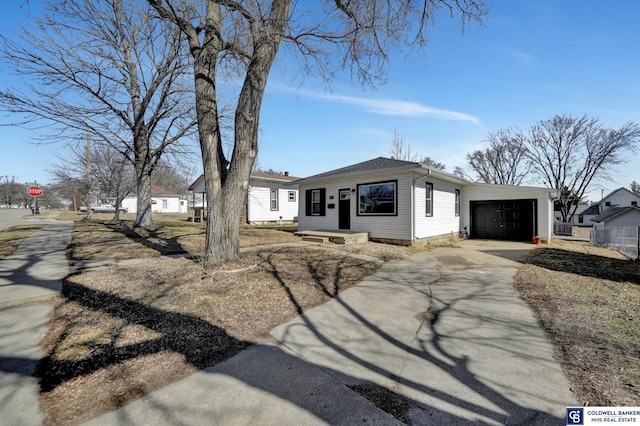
{"x":533,"y":59}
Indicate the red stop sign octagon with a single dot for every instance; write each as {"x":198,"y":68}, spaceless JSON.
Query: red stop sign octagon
{"x":34,"y":191}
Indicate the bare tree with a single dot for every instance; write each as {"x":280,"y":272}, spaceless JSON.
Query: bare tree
{"x":108,"y":68}
{"x":68,"y":187}
{"x":244,"y":37}
{"x":635,"y":188}
{"x":504,"y":161}
{"x":112,"y":175}
{"x":175,"y":176}
{"x":569,"y":153}
{"x":9,"y":190}
{"x":401,"y":150}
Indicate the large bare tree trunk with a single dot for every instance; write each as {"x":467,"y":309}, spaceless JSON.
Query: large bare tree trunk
{"x":246,"y":37}
{"x":226,"y":184}
{"x":143,"y":204}
{"x":143,"y":168}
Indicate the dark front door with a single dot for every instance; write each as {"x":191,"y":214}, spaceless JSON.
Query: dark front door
{"x":344,"y":209}
{"x":513,"y":220}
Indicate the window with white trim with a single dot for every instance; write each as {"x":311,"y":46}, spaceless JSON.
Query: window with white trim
{"x":315,"y":202}
{"x":274,"y":199}
{"x":429,"y":199}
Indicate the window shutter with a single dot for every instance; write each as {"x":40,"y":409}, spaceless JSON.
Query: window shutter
{"x":307,"y":202}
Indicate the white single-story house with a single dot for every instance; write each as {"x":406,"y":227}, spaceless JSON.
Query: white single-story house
{"x":270,"y":198}
{"x":618,"y":217}
{"x":584,"y":214}
{"x":405,"y":202}
{"x":162,"y":201}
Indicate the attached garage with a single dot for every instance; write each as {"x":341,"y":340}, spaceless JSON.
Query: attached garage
{"x":512,"y":220}
{"x":504,"y":212}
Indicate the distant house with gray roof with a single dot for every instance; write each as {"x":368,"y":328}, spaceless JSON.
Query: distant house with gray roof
{"x":613,"y":205}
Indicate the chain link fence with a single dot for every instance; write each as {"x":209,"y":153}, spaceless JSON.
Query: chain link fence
{"x":625,"y":240}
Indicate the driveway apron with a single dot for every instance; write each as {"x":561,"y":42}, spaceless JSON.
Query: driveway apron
{"x":446,"y":329}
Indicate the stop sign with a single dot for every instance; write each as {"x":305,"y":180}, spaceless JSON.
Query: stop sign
{"x":34,"y":191}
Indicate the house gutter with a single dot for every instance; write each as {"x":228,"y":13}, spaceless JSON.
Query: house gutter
{"x":413,"y":204}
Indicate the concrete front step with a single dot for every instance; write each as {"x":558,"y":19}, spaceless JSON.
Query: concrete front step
{"x":337,"y":237}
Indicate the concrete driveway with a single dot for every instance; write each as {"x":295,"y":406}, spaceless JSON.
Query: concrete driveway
{"x":446,"y":329}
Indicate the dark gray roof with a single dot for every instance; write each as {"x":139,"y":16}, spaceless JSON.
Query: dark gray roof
{"x":613,"y":212}
{"x":377,"y":164}
{"x":590,"y":210}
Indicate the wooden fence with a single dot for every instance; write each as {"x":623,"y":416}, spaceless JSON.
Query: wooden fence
{"x":562,"y":228}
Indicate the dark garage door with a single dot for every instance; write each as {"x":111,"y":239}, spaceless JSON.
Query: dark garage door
{"x":513,"y":220}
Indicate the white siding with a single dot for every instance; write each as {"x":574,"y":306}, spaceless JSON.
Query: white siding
{"x":485,"y":192}
{"x":401,"y":226}
{"x":444,"y":220}
{"x":259,"y":203}
{"x":165,"y":204}
{"x":172,"y":202}
{"x":130,"y":203}
{"x":619,"y":198}
{"x":628,"y":219}
{"x":387,"y":227}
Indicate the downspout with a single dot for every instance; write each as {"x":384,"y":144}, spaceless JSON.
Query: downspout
{"x":413,"y":204}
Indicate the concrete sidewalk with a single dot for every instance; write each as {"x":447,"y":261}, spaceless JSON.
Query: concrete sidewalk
{"x":445,"y":330}
{"x":28,"y":280}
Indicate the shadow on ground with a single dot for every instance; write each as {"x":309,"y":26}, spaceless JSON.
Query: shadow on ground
{"x":184,"y":334}
{"x":605,"y":268}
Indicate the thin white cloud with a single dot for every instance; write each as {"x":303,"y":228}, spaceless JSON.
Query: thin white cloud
{"x":521,"y":56}
{"x":389,"y":106}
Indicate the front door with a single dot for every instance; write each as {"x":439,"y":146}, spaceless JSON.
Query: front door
{"x":344,"y":209}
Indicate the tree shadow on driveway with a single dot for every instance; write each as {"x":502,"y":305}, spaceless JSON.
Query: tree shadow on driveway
{"x":405,"y":330}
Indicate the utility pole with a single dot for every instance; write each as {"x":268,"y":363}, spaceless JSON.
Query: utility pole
{"x":88,"y":170}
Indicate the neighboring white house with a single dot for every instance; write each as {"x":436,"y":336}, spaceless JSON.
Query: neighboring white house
{"x":618,"y":217}
{"x":270,"y":198}
{"x":405,"y":202}
{"x":621,"y":197}
{"x":584,"y":214}
{"x":162,"y":201}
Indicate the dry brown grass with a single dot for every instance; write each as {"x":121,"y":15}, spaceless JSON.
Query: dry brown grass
{"x":588,"y":300}
{"x":11,"y":238}
{"x":120,"y":333}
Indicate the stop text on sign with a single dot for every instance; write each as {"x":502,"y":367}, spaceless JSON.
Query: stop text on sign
{"x":34,"y":191}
